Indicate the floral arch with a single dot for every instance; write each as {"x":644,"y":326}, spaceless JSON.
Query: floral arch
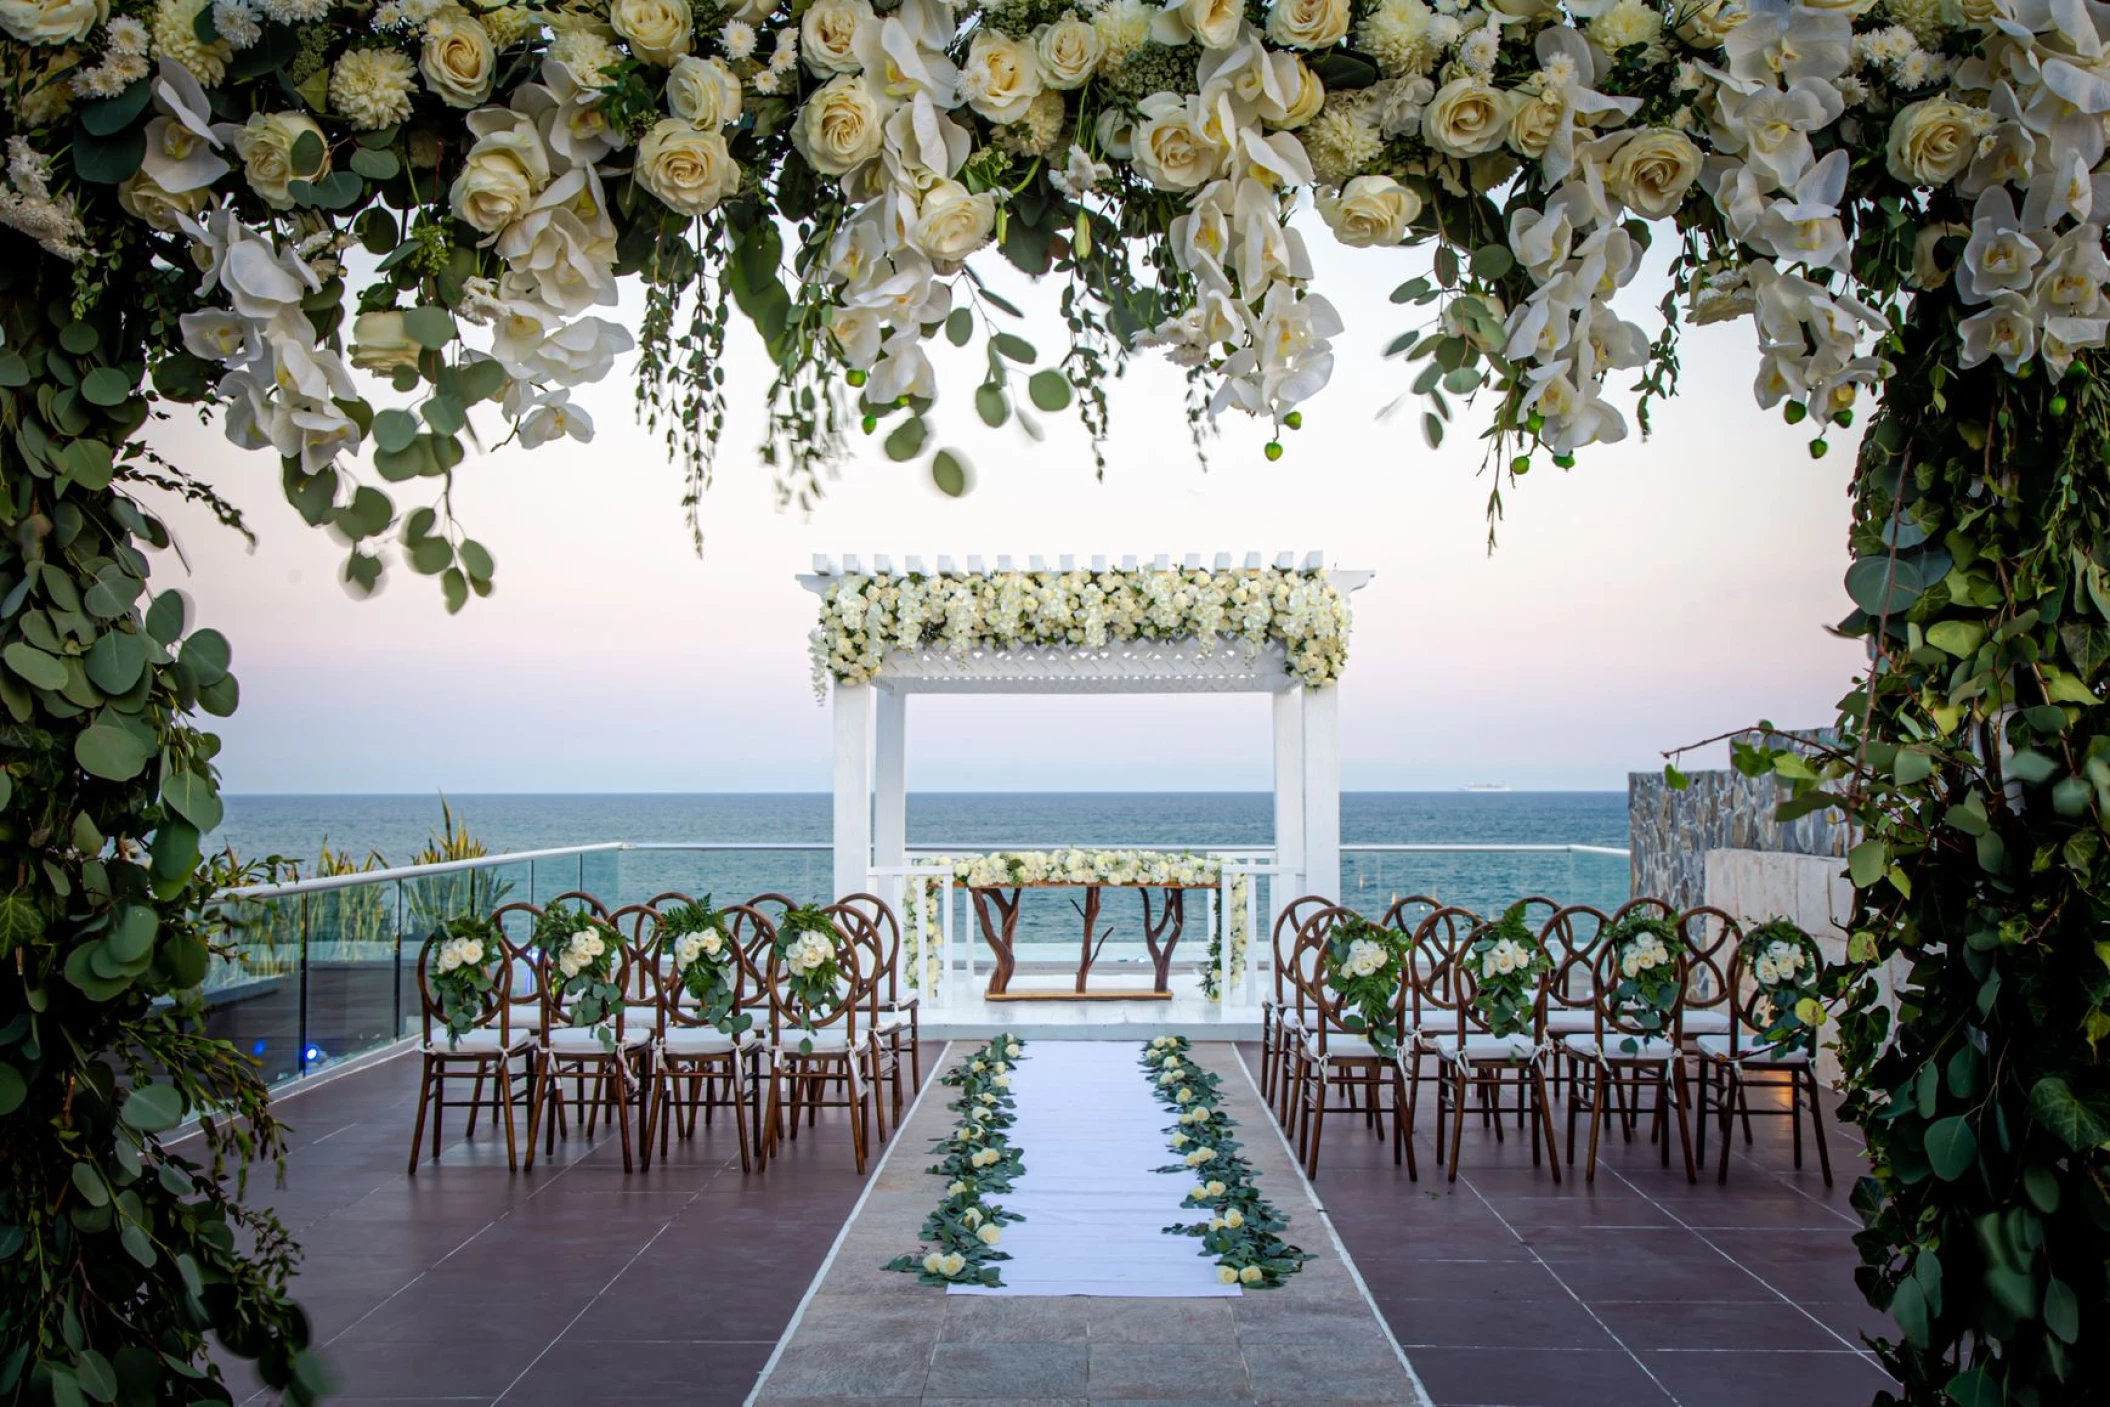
{"x":245,"y":203}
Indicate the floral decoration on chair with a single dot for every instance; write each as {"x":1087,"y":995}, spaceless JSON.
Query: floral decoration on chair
{"x":976,"y":1159}
{"x":700,"y":947}
{"x":1648,"y":990}
{"x":806,"y":946}
{"x":463,"y":973}
{"x":584,"y":949}
{"x":1243,"y":1230}
{"x":1365,"y":963}
{"x":1507,"y":962}
{"x":1785,"y":964}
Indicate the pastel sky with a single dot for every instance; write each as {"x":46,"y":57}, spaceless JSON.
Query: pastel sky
{"x":1660,"y":592}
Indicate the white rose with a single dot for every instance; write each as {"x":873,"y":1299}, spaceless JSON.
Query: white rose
{"x":1226,"y":1275}
{"x":1370,"y":211}
{"x":504,"y":172}
{"x":1251,"y":1275}
{"x":840,"y":127}
{"x":688,"y":169}
{"x":1534,"y":124}
{"x":1310,"y":96}
{"x":457,"y":59}
{"x":703,"y":92}
{"x":1171,"y":152}
{"x":1213,"y":23}
{"x":659,"y":31}
{"x":380,"y":344}
{"x":1651,"y":172}
{"x":1068,"y":51}
{"x":1466,"y":118}
{"x":1707,"y":24}
{"x":52,"y":21}
{"x":989,"y":1235}
{"x":1001,"y":77}
{"x":828,"y":35}
{"x":1932,"y":141}
{"x":265,"y":143}
{"x":952,"y":223}
{"x":1307,"y":24}
{"x":144,"y":199}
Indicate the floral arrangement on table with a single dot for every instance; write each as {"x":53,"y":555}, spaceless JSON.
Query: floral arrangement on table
{"x":584,"y":949}
{"x":1785,"y":963}
{"x":1644,"y":953}
{"x":1084,"y":865}
{"x":1365,"y":966}
{"x":976,"y":1159}
{"x":1508,"y":962}
{"x":1243,"y":1230}
{"x":704,"y":961}
{"x":866,"y":618}
{"x":809,"y":957}
{"x":462,"y":972}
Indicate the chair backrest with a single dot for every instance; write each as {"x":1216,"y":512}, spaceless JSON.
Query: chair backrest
{"x":1311,"y":961}
{"x":678,"y":1007}
{"x":1620,"y":1018}
{"x":1712,"y":937}
{"x":645,"y":983}
{"x":492,"y":1011}
{"x":1440,"y":943}
{"x":1754,"y":1015}
{"x":526,"y":1000}
{"x":1406,"y":915}
{"x":886,"y":935}
{"x":557,"y":1005}
{"x":856,"y":924}
{"x":1571,"y":936}
{"x":1469,"y":976}
{"x":801,"y":1005}
{"x":1292,"y":918}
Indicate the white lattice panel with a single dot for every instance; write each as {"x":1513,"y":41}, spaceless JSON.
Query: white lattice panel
{"x":1144,"y":667}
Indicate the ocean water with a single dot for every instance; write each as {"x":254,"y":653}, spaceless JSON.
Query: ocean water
{"x":393,"y":827}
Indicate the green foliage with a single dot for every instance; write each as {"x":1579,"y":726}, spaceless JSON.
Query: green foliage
{"x":1507,"y":961}
{"x":977,"y":1158}
{"x":586,"y":954}
{"x":463,"y":960}
{"x":1365,"y":964}
{"x":706,"y":960}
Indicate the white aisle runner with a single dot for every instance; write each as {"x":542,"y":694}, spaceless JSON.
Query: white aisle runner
{"x":1090,"y":1132}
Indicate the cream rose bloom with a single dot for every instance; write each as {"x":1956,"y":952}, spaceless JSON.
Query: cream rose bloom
{"x":951,"y":225}
{"x":828,"y":35}
{"x":841,"y":126}
{"x":457,"y":59}
{"x":1001,"y":77}
{"x":1171,"y":152}
{"x":143,"y":199}
{"x":1301,"y":109}
{"x":1932,"y":141}
{"x":703,"y":92}
{"x":1307,"y":24}
{"x":1213,"y":23}
{"x":500,"y":179}
{"x":1651,"y":172}
{"x":380,"y":344}
{"x":1370,"y":211}
{"x":52,"y":21}
{"x":1534,"y":124}
{"x":1068,"y":51}
{"x":1466,"y":118}
{"x":265,"y":143}
{"x":659,"y":31}
{"x":687,"y":168}
{"x":1706,"y":25}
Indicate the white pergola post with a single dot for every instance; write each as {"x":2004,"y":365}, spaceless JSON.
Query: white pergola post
{"x":1322,"y":792}
{"x":890,"y":779}
{"x":853,"y":788}
{"x":1288,"y":883}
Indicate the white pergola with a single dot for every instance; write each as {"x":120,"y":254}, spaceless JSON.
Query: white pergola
{"x":871,"y":720}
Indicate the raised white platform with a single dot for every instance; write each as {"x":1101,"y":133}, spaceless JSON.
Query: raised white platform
{"x":972,"y":1016}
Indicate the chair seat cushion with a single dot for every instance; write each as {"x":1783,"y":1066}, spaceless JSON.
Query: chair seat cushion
{"x":701,"y":1040}
{"x":481,"y":1041}
{"x":1482,"y":1049}
{"x":586,"y":1040}
{"x":1617,"y":1047}
{"x":830,"y":1042}
{"x":1751,"y":1050}
{"x":1568,"y":1020}
{"x":1342,"y":1045}
{"x":1706,"y":1020}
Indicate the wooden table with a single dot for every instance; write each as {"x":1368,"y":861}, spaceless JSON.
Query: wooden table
{"x":996,"y":906}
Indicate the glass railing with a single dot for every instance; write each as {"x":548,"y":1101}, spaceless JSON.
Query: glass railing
{"x":321,"y":970}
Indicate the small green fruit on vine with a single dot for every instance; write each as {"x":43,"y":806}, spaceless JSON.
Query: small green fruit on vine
{"x":1520,"y":465}
{"x":1273,"y":450}
{"x":854,"y":377}
{"x":1844,"y":417}
{"x":1818,"y":448}
{"x":1564,"y":461}
{"x":2058,"y":405}
{"x":1795,"y":411}
{"x":871,"y":423}
{"x":1294,"y":420}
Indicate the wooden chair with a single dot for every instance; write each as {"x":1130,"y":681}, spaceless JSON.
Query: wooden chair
{"x":1626,"y":1053}
{"x":813,"y":1044}
{"x":1471,"y":1057}
{"x":487,"y":1049}
{"x":1741,"y":1059}
{"x":1431,"y":1010}
{"x":882,"y":1031}
{"x":1570,"y":936}
{"x":615,"y":1067}
{"x":1331,"y":1057}
{"x":897,"y":1018}
{"x":1278,"y":1021}
{"x":722,"y":1070}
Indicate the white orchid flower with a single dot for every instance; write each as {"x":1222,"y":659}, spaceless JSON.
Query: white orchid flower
{"x":1999,"y":256}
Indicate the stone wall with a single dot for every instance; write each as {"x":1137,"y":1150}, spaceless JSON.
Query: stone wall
{"x":1670,"y":832}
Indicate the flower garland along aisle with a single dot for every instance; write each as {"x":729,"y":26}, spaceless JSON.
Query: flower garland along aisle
{"x":1244,"y":1230}
{"x":977,"y":1159}
{"x":866,"y":618}
{"x":1079,"y":865}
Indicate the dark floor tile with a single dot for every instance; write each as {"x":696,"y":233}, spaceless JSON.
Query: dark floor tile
{"x":1536,"y":1378}
{"x":1714,"y":1326}
{"x":1547,"y":1323}
{"x":1768,"y":1379}
{"x":458,"y":1368}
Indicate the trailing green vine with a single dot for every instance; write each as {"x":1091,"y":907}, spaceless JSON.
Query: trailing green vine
{"x":977,"y":1159}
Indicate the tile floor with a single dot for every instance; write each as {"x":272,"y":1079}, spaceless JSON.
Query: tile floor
{"x":579,"y":1285}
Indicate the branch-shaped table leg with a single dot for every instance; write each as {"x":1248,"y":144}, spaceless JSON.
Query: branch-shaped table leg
{"x":999,"y":934}
{"x":1166,"y":927}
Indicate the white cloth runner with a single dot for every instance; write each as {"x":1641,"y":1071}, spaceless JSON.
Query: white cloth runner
{"x":1091,"y":1132}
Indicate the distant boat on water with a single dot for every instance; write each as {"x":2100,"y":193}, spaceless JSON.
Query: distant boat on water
{"x":1485,"y":786}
